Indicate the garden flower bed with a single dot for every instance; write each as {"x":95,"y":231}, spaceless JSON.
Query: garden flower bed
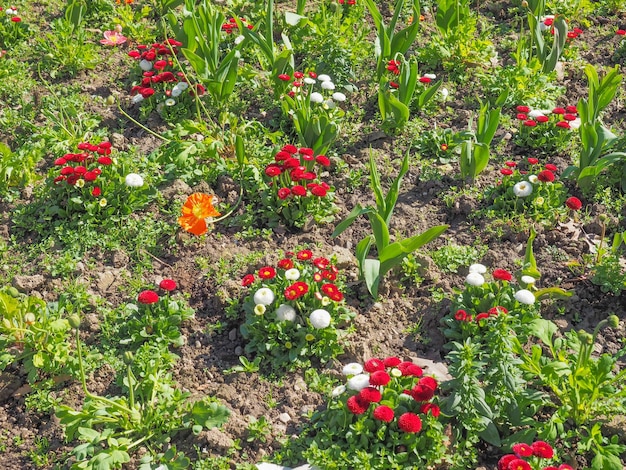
{"x":312,"y":234}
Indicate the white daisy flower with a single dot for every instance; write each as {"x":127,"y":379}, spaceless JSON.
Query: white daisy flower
{"x":533,"y":179}
{"x":309,"y":80}
{"x":292,"y":274}
{"x":133,"y":180}
{"x":145,"y":65}
{"x":263,"y":296}
{"x":338,"y":96}
{"x":524,"y":296}
{"x":478,"y":268}
{"x":316,"y":97}
{"x":354,"y":368}
{"x":339,"y":390}
{"x":523,"y":189}
{"x":475,"y":279}
{"x":358,"y":382}
{"x":328,"y":85}
{"x":323,"y":78}
{"x":285,"y":313}
{"x":170,"y":102}
{"x":528,"y":280}
{"x":319,"y":318}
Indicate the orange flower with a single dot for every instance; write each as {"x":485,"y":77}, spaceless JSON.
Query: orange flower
{"x":195,"y":210}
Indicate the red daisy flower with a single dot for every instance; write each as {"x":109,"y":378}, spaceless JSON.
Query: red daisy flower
{"x":563,"y":124}
{"x":370,"y":395}
{"x":482,"y":316}
{"x":558,"y":111}
{"x":510,"y":164}
{"x":384,"y":413}
{"x":522,"y":109}
{"x":430,"y":408}
{"x":542,"y":449}
{"x":502,"y":275}
{"x":148,"y":297}
{"x":356,"y":405}
{"x":522,"y":450}
{"x":545,"y":176}
{"x":422,"y":393}
{"x":533,"y":161}
{"x":304,"y":255}
{"x":374,"y":365}
{"x":285,"y":263}
{"x":530,"y":123}
{"x":519,"y":464}
{"x":506,"y":171}
{"x":551,"y":167}
{"x":168,"y":285}
{"x":409,"y":369}
{"x":321,"y":263}
{"x":573,"y":203}
{"x":391,"y":361}
{"x":247,"y":280}
{"x":380,"y":378}
{"x":267,"y":272}
{"x":410,"y":422}
{"x":503,"y":463}
{"x":460,"y":315}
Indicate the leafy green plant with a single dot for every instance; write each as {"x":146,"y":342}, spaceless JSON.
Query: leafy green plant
{"x":390,"y":254}
{"x":546,"y":131}
{"x":595,"y":138}
{"x":607,"y":265}
{"x":12,"y":28}
{"x":156,"y":318}
{"x":33,"y":334}
{"x":390,"y":43}
{"x":259,"y":429}
{"x":67,"y":51}
{"x":585,"y":390}
{"x":450,"y":15}
{"x":201,"y":33}
{"x":295,"y":312}
{"x":530,"y":191}
{"x":315,"y":115}
{"x":536,"y":44}
{"x":474,"y":146}
{"x":385,"y":416}
{"x":151,"y":413}
{"x":395,"y":99}
{"x":451,"y":257}
{"x":295,"y":193}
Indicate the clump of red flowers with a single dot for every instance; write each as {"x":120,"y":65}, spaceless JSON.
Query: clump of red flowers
{"x":231,"y":25}
{"x":159,"y":75}
{"x":83,"y":168}
{"x":295,"y":188}
{"x":408,"y":394}
{"x":564,"y":118}
{"x":528,"y":457}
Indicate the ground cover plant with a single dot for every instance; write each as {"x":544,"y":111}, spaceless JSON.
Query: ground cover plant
{"x":186,"y":281}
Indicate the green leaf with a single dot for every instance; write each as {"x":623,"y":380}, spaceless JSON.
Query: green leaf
{"x":553,"y":292}
{"x":381,"y":232}
{"x":371,"y":275}
{"x":356,"y":212}
{"x":209,"y":415}
{"x":543,"y":329}
{"x":395,"y":252}
{"x":491,"y":435}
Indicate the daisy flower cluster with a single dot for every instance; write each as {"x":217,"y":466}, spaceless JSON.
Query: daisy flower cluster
{"x":312,"y":101}
{"x":536,"y":456}
{"x":12,"y":28}
{"x":547,"y":130}
{"x":79,"y":175}
{"x":295,"y":192}
{"x":388,"y":409}
{"x":295,"y":311}
{"x":393,"y":67}
{"x":487,"y":297}
{"x":162,"y":86}
{"x":156,"y":317}
{"x":531,"y":189}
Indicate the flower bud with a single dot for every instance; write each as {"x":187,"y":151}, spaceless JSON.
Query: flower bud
{"x":110,"y":101}
{"x":74,"y":321}
{"x":128,"y":358}
{"x":13,"y":292}
{"x":585,"y":337}
{"x":29,"y":318}
{"x":613,"y":321}
{"x":524,"y":4}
